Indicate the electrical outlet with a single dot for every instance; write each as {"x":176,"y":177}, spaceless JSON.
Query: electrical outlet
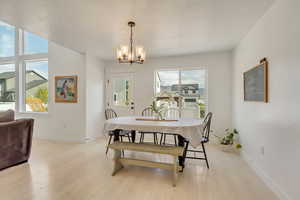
{"x":64,"y":125}
{"x":262,"y":150}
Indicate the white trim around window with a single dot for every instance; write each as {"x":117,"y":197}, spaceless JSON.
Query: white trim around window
{"x":180,"y":69}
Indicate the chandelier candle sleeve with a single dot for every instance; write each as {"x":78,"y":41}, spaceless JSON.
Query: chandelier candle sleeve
{"x":131,"y":54}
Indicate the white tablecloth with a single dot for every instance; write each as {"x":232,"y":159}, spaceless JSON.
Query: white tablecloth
{"x":191,"y":129}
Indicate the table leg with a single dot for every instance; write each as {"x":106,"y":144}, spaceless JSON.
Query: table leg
{"x":117,"y":153}
{"x":133,"y":133}
{"x":181,"y":159}
{"x":117,"y":138}
{"x":117,"y":135}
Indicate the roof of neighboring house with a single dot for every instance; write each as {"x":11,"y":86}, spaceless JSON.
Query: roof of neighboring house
{"x":30,"y":85}
{"x":177,"y":87}
{"x":9,"y":75}
{"x":35,"y":83}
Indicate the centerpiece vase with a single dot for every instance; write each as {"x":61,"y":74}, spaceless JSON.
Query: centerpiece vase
{"x":157,"y":116}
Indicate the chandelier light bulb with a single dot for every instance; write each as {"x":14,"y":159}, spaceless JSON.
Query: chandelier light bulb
{"x":124,"y":50}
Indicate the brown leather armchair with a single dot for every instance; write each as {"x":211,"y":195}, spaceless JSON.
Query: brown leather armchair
{"x":15,"y":142}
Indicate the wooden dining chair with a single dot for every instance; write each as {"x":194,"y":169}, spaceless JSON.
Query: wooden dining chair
{"x":172,"y":114}
{"x":109,"y":114}
{"x":148,"y":112}
{"x":204,"y":140}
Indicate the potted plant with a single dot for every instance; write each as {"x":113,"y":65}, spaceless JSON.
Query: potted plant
{"x":229,"y":140}
{"x":201,"y":106}
{"x":157,"y":109}
{"x":167,"y":97}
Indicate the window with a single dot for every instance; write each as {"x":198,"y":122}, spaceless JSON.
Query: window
{"x":34,"y":44}
{"x":121,"y":91}
{"x":167,"y":81}
{"x":36,"y":86}
{"x":24,"y":74}
{"x":7,"y":40}
{"x":188,"y":85}
{"x":7,"y":86}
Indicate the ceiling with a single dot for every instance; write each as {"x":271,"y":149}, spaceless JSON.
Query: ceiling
{"x":164,"y":27}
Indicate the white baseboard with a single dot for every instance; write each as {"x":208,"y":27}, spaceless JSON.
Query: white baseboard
{"x":265,"y":178}
{"x":88,"y":139}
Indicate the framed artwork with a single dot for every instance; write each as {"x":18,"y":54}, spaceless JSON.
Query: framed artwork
{"x":256,"y":83}
{"x":66,"y":89}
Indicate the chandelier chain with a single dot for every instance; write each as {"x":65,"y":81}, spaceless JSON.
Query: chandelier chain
{"x":131,"y":44}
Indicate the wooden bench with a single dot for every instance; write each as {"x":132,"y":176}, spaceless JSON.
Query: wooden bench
{"x":119,"y":162}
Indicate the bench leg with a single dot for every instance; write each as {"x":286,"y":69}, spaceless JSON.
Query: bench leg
{"x":117,"y":163}
{"x":175,"y":171}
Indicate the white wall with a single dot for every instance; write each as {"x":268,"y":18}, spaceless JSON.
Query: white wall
{"x":65,"y":121}
{"x":275,"y":125}
{"x":219,"y":81}
{"x":95,"y":88}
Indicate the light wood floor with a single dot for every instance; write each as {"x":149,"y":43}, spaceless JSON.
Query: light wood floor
{"x":59,"y":171}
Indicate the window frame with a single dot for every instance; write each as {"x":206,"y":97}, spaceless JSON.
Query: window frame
{"x":19,"y":59}
{"x":23,"y":101}
{"x":180,"y":69}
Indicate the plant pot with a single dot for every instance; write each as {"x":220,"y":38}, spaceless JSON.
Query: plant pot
{"x":156,"y":116}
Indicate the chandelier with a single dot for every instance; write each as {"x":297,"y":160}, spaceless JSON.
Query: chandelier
{"x":131,"y":54}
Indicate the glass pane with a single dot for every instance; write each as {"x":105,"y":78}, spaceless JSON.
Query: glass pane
{"x":36,"y":86}
{"x":167,"y":83}
{"x":167,"y":87}
{"x":193,"y":93}
{"x":121,"y":92}
{"x":34,"y":44}
{"x":7,"y":86}
{"x":7,"y":40}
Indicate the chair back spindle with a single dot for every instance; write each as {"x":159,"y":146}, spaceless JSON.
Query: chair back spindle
{"x":206,"y":128}
{"x":147,"y":112}
{"x":110,"y":113}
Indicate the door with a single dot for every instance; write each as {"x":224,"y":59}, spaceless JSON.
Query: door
{"x":120,"y":96}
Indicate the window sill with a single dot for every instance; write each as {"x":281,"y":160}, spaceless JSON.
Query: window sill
{"x":33,"y":113}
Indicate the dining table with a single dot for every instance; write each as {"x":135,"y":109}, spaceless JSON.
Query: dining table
{"x":186,"y":129}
